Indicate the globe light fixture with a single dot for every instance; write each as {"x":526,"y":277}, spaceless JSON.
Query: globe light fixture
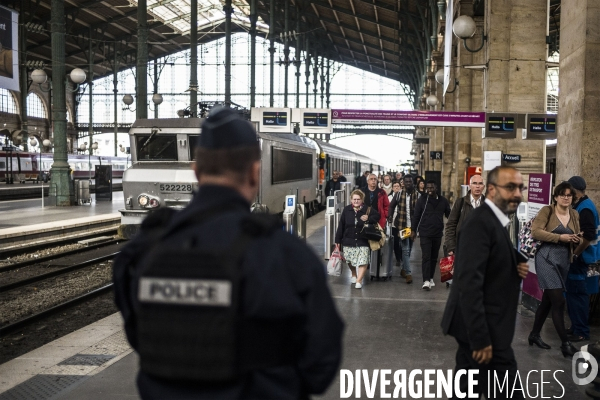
{"x":432,"y":100}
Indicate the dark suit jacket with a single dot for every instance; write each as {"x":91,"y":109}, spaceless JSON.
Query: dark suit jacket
{"x":482,"y":306}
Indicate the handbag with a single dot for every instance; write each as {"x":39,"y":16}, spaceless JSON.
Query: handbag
{"x":336,"y":262}
{"x":372,"y":231}
{"x":447,"y":268}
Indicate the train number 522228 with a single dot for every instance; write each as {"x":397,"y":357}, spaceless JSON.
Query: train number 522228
{"x":176,"y":187}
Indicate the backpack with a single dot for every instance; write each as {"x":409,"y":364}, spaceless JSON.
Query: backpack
{"x":187,"y":306}
{"x":528,"y":246}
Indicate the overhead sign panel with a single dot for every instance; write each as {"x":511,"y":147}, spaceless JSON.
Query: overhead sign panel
{"x":313,"y":120}
{"x":421,"y":118}
{"x":9,"y":57}
{"x":501,"y":126}
{"x":540,"y":127}
{"x":272,"y":120}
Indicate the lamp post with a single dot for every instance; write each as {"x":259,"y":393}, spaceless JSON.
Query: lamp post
{"x":93,"y":147}
{"x":33,"y":142}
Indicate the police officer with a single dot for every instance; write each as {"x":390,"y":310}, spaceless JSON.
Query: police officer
{"x":289,"y":332}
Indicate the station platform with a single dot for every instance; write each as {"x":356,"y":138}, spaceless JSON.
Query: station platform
{"x":389,"y":325}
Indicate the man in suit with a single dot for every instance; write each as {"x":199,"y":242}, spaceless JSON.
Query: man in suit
{"x":482,"y":306}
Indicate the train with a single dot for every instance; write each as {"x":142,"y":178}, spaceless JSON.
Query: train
{"x":23,"y":166}
{"x":160,"y":175}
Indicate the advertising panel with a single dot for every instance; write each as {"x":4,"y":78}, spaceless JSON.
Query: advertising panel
{"x":421,"y":118}
{"x":9,"y":56}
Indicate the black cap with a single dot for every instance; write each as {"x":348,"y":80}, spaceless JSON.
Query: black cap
{"x":577,"y":182}
{"x":224,"y":128}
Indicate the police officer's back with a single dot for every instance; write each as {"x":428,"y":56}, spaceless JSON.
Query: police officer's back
{"x":287,"y":337}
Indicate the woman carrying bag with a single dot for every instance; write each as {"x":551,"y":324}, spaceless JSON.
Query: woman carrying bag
{"x":349,"y":235}
{"x":557,"y":227}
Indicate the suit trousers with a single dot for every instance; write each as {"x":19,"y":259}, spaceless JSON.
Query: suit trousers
{"x":397,"y":248}
{"x":503,"y":365}
{"x":430,"y":248}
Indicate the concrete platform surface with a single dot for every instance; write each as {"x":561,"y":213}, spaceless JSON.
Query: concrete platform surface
{"x":389,"y":325}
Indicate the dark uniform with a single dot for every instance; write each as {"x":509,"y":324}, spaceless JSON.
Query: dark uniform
{"x":283,"y":289}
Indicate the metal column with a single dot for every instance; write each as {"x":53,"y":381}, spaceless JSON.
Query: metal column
{"x":90,"y":91}
{"x":228,"y":11}
{"x":60,"y":167}
{"x":307,"y":73}
{"x":193,"y":62}
{"x":272,"y":51}
{"x":298,"y":57}
{"x":115,"y":91}
{"x":315,"y":80}
{"x":322,"y":79}
{"x":253,"y":19}
{"x":286,"y":51}
{"x":155,"y":88}
{"x":23,"y":84}
{"x":141,"y":76}
{"x":328,"y":84}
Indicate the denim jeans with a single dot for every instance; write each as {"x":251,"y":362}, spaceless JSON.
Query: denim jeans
{"x":406,"y":245}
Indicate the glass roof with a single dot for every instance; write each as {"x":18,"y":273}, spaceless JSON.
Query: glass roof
{"x":176,"y":13}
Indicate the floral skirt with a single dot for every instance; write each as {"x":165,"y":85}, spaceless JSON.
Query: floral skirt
{"x":357,"y":256}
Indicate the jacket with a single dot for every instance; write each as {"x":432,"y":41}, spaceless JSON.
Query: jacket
{"x":382,"y":205}
{"x":590,"y":225}
{"x":281,"y":279}
{"x":331,"y":187}
{"x":428,"y":218}
{"x":482,"y":306}
{"x":460,"y":211}
{"x":398,"y":205}
{"x":350,"y":226}
{"x":546,"y":221}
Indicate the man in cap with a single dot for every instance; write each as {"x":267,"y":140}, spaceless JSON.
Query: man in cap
{"x":287,"y":336}
{"x":588,"y":252}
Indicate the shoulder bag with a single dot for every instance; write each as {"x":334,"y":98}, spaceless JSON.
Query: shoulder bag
{"x":373,"y":233}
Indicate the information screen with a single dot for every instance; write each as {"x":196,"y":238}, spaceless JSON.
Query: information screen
{"x":542,"y":125}
{"x":501,"y":124}
{"x":316,"y":119}
{"x":275,"y":118}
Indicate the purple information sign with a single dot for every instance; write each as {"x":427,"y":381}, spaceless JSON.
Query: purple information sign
{"x":539,"y":189}
{"x":422,"y":118}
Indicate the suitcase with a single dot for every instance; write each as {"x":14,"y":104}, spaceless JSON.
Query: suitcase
{"x":382,"y":261}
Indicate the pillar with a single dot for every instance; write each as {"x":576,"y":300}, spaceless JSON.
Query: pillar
{"x":272,"y":51}
{"x":579,"y":101}
{"x":141,"y":76}
{"x":253,"y":19}
{"x":228,"y":11}
{"x":193,"y":62}
{"x":60,"y":167}
{"x":516,"y":72}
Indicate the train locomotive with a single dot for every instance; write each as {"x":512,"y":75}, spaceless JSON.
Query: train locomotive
{"x":163,"y":149}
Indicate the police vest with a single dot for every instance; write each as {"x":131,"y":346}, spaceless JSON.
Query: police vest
{"x":592,"y":253}
{"x":188,"y":313}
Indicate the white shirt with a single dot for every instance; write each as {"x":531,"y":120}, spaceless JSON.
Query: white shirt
{"x":475,"y":203}
{"x":499,"y":214}
{"x":408,"y":221}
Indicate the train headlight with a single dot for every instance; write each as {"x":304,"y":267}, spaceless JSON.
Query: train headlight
{"x":154,"y":203}
{"x":143,"y":200}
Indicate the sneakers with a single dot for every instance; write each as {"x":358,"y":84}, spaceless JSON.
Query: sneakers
{"x":431,"y":284}
{"x":408,"y":278}
{"x":353,"y":280}
{"x":426,"y":285}
{"x":358,"y":285}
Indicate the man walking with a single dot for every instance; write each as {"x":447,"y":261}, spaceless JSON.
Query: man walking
{"x":588,"y":252}
{"x":461,"y":209}
{"x":429,"y":222}
{"x":376,"y":198}
{"x":482,"y":307}
{"x":405,"y":202}
{"x":333,"y":184}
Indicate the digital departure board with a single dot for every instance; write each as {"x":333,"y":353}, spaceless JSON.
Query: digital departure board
{"x":540,"y":127}
{"x":275,"y":118}
{"x":314,"y":120}
{"x":501,"y":125}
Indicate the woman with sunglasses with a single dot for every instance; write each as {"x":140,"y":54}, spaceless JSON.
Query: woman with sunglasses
{"x":349,"y":235}
{"x":557,"y":227}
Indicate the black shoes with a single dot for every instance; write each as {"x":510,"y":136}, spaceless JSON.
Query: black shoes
{"x":568,"y":350}
{"x":537,"y":339}
{"x":576,"y":338}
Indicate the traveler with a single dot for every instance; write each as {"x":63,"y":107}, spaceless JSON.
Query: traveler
{"x":222,"y":336}
{"x":376,"y":198}
{"x":399,"y":177}
{"x":588,"y":252}
{"x":387,"y":184}
{"x":395,"y":232}
{"x":461,"y":209}
{"x":350,"y":237}
{"x":333,"y":184}
{"x":401,"y":212}
{"x":362,"y":180}
{"x":556,"y":226}
{"x":341,"y":177}
{"x":481,"y":309}
{"x":420,"y":184}
{"x":428,"y":221}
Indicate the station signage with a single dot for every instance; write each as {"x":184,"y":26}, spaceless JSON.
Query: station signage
{"x":419,"y":118}
{"x":272,"y":120}
{"x":500,"y":126}
{"x":435,"y":155}
{"x":511,"y":158}
{"x":540,"y":127}
{"x":313,"y":120}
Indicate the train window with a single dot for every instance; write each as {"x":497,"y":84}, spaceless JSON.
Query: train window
{"x":156,"y":147}
{"x":193,"y":140}
{"x":290,"y":166}
{"x":2,"y":165}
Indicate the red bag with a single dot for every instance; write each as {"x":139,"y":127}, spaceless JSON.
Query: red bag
{"x":447,"y":268}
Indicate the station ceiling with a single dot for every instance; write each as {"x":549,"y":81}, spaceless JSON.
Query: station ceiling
{"x":391,"y":38}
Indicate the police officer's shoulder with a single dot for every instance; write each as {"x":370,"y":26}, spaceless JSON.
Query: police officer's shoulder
{"x":158,"y":218}
{"x":260,"y":224}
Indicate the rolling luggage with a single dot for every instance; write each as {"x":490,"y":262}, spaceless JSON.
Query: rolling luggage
{"x":382,"y":261}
